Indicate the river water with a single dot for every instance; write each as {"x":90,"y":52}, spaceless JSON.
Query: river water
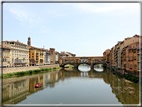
{"x":71,"y":86}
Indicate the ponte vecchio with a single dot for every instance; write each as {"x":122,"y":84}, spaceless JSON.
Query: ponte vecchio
{"x":76,"y":61}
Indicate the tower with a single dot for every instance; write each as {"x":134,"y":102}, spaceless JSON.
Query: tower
{"x":29,"y":41}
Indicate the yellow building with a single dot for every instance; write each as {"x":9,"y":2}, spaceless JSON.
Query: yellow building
{"x":36,"y":56}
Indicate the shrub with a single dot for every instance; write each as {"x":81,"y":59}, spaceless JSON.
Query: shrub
{"x":131,"y":78}
{"x":54,"y":68}
{"x":42,"y":69}
{"x":46,"y":69}
{"x":30,"y":71}
{"x":22,"y":72}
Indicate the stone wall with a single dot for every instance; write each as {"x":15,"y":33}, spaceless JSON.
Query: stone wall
{"x":18,"y":69}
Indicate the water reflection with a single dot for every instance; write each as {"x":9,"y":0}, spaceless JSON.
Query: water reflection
{"x":17,"y":90}
{"x":84,"y":68}
{"x":99,"y":69}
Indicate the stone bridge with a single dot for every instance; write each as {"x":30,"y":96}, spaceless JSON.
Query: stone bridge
{"x":76,"y":61}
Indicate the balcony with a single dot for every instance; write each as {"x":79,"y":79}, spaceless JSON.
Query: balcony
{"x":20,"y":62}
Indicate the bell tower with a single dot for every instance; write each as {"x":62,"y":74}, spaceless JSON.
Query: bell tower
{"x":29,"y":41}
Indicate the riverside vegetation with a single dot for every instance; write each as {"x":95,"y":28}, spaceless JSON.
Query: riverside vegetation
{"x":131,"y":78}
{"x":22,"y":73}
{"x":126,"y":76}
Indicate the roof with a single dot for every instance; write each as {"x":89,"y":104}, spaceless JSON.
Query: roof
{"x":4,"y":48}
{"x":70,"y":53}
{"x":121,"y":42}
{"x":15,"y":42}
{"x":136,"y":35}
{"x":38,"y":48}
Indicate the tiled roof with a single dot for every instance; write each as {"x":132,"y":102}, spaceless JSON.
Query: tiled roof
{"x":15,"y":42}
{"x":4,"y":48}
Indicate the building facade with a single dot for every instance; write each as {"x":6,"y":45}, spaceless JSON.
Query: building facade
{"x":112,"y":57}
{"x":36,"y":56}
{"x":66,"y":54}
{"x":126,"y":42}
{"x":46,"y":57}
{"x":125,"y":55}
{"x":52,"y":56}
{"x":5,"y":55}
{"x":56,"y":57}
{"x":106,"y":55}
{"x":19,"y":53}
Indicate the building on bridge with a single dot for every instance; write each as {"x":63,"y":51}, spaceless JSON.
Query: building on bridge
{"x":66,"y":54}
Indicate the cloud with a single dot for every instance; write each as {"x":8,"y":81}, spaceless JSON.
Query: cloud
{"x":25,"y":17}
{"x":107,"y":7}
{"x":19,"y":14}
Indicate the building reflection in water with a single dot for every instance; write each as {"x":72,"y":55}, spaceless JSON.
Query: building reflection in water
{"x":17,"y":90}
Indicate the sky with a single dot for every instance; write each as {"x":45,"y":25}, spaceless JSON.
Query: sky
{"x":85,"y":29}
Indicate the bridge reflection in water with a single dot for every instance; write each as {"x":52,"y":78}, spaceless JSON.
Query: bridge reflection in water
{"x":16,"y":90}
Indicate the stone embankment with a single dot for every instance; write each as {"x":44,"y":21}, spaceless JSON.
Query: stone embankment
{"x":14,"y":79}
{"x":19,"y":69}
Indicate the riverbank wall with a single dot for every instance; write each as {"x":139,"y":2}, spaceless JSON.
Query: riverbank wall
{"x":19,"y":69}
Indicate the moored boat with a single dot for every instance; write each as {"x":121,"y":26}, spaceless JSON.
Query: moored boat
{"x":38,"y":85}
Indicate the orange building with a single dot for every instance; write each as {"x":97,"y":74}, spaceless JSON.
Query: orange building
{"x":112,"y":57}
{"x":123,"y":54}
{"x":132,"y":57}
{"x":106,"y":55}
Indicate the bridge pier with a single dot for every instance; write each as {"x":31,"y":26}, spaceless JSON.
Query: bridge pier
{"x":62,"y":66}
{"x":75,"y":65}
{"x":92,"y":66}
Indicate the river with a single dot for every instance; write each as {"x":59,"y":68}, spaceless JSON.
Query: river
{"x":71,"y":86}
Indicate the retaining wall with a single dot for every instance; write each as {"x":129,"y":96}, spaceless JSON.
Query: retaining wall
{"x":18,"y":69}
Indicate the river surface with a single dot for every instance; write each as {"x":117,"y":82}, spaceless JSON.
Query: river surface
{"x":71,"y":86}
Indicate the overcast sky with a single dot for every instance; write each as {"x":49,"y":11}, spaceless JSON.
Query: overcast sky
{"x":85,"y":29}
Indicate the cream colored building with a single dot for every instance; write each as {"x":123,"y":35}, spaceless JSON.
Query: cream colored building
{"x":5,"y":55}
{"x":14,"y":92}
{"x":19,"y":53}
{"x":56,"y":57}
